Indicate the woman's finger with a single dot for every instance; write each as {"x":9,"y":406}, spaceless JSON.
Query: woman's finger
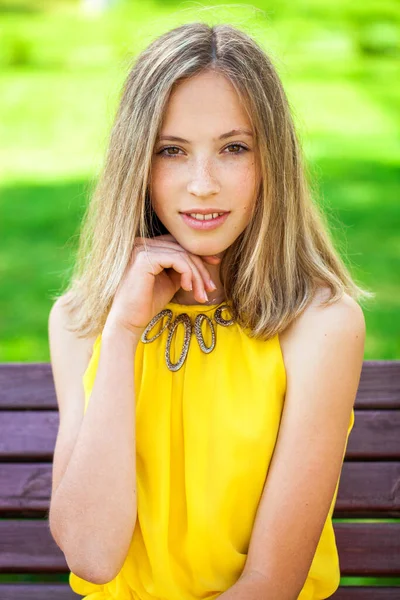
{"x":167,"y":243}
{"x":168,"y":259}
{"x":201,"y":281}
{"x":211,"y":258}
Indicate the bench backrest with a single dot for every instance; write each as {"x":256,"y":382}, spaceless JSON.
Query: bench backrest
{"x":369,"y":486}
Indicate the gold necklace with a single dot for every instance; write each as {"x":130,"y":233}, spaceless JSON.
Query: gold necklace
{"x":189,"y":328}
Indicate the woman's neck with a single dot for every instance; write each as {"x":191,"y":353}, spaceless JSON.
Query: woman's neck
{"x":212,"y":299}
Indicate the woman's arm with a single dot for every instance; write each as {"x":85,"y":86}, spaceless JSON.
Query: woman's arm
{"x":323,"y":359}
{"x":93,"y":512}
{"x":249,"y":587}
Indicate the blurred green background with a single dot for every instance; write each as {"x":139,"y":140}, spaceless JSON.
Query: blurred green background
{"x":62,"y":64}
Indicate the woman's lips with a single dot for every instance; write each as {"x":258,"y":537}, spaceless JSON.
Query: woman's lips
{"x":204,"y":225}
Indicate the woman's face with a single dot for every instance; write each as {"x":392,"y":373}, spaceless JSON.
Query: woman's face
{"x":209,"y":168}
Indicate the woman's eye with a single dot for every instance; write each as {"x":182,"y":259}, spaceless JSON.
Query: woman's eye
{"x":164,"y":151}
{"x":236,"y":146}
{"x":168,"y":148}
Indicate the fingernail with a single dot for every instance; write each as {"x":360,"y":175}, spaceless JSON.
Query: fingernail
{"x":212,"y":284}
{"x":205,"y":295}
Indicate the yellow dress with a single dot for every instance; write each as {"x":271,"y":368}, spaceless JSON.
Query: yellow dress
{"x":205,"y":436}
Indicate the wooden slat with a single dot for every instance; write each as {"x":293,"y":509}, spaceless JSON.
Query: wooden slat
{"x":368,"y":548}
{"x":365,"y":489}
{"x":28,"y":434}
{"x":375,"y":435}
{"x":32,"y":434}
{"x":367,"y":593}
{"x":37,"y":591}
{"x":379,"y":384}
{"x":27,"y":385}
{"x":364,"y":548}
{"x":25,"y":487}
{"x":27,"y":546}
{"x":31,"y":385}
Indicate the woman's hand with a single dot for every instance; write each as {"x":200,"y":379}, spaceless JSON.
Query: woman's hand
{"x":153,"y":277}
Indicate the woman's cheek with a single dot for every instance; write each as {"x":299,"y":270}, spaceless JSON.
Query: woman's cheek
{"x":244,"y":185}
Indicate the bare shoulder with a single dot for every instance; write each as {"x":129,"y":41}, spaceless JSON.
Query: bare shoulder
{"x":344,"y":320}
{"x":59,"y":322}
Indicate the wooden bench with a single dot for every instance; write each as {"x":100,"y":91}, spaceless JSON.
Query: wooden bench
{"x":369,"y":485}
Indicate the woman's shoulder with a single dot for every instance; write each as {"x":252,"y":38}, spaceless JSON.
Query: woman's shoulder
{"x":342,"y":313}
{"x":60,"y":320}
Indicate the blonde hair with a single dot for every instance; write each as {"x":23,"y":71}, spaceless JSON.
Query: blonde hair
{"x":273,"y":269}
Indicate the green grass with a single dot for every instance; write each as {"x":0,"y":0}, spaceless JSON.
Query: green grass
{"x":61,"y":73}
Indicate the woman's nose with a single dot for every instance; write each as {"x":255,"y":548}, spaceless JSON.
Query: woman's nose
{"x":202,"y":179}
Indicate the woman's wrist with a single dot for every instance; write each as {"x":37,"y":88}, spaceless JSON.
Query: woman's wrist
{"x":115,"y":329}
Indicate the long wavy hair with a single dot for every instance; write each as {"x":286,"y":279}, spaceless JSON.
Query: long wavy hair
{"x":273,"y":269}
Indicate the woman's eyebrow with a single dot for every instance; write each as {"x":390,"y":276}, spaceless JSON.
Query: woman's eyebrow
{"x":221,"y":137}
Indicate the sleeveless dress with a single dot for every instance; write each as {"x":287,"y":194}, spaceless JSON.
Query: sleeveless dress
{"x":205,"y":436}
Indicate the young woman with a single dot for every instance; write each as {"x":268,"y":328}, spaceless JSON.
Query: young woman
{"x":220,"y":355}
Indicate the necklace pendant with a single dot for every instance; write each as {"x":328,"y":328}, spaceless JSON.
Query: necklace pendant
{"x":199,"y":334}
{"x":186,"y":321}
{"x":166,"y":312}
{"x":220,"y":320}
